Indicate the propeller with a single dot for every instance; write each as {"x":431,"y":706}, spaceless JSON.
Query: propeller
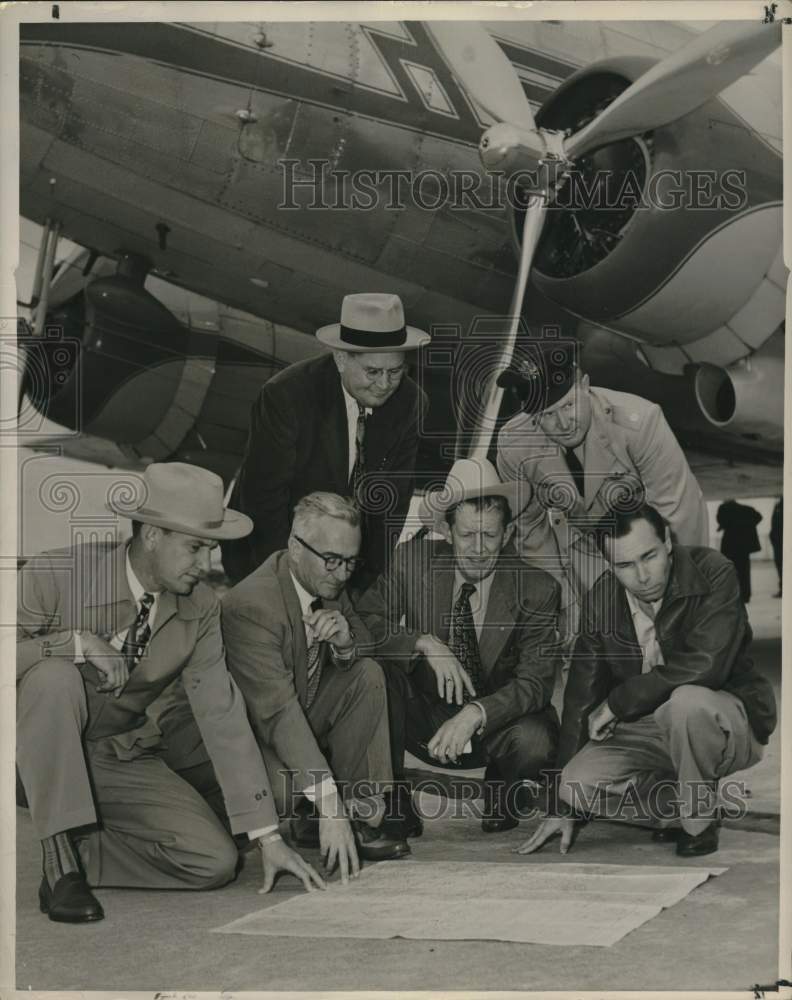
{"x":675,"y":86}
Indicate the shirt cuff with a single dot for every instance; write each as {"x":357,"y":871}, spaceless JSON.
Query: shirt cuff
{"x":325,"y":795}
{"x":263,"y":832}
{"x":79,"y":657}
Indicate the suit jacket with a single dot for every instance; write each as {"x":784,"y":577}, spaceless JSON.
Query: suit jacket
{"x":298,"y":443}
{"x":738,"y":522}
{"x":518,"y":644}
{"x":268,"y":657}
{"x":630,"y":447}
{"x":703,"y":632}
{"x":85,"y":588}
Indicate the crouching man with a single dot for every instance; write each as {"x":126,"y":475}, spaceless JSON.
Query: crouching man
{"x":318,"y":709}
{"x":102,"y":630}
{"x":662,"y":698}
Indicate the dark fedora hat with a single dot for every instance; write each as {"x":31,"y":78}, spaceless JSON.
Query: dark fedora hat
{"x":541,"y":372}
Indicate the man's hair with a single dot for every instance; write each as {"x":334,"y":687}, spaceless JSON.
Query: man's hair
{"x":482,"y":504}
{"x":618,"y":523}
{"x":137,"y":525}
{"x":316,"y":505}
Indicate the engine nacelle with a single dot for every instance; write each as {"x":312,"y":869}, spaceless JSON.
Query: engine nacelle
{"x":747,"y":397}
{"x":682,"y":229}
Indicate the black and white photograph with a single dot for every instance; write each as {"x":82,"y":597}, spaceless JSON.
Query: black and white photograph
{"x":392,"y":444}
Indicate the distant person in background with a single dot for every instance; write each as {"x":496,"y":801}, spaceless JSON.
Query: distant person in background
{"x":738,"y":523}
{"x":777,"y":541}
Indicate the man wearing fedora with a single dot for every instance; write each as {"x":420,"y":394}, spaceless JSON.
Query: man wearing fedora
{"x":346,"y":422}
{"x":102,"y":630}
{"x":586,"y":451}
{"x":466,"y":634}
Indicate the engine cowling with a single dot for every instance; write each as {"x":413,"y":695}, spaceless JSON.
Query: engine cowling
{"x":633,"y":254}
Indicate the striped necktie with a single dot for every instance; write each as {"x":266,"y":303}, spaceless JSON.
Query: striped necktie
{"x":315,"y":651}
{"x":464,"y":643}
{"x":139,"y":633}
{"x":359,"y":467}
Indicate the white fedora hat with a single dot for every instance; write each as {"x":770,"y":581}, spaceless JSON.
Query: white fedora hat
{"x":372,"y":321}
{"x":470,"y":478}
{"x":184,"y":498}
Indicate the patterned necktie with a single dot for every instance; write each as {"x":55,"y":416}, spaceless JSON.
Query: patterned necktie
{"x":358,"y":468}
{"x":464,"y":644}
{"x":574,"y":466}
{"x":139,"y":633}
{"x":314,"y":661}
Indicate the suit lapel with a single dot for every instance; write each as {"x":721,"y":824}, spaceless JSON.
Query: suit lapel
{"x":438,"y":587}
{"x":297,"y":627}
{"x":110,"y":607}
{"x":500,"y":618}
{"x":335,"y":430}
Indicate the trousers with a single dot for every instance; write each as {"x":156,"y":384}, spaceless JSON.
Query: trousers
{"x":663,"y":769}
{"x":521,"y":749}
{"x":348,"y":717}
{"x":136,"y":823}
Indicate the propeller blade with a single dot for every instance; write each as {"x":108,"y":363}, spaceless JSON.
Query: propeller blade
{"x":482,"y":70}
{"x":680,"y":83}
{"x":485,"y":424}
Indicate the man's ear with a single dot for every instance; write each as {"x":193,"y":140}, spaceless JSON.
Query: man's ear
{"x":150,"y":535}
{"x":508,"y":534}
{"x":584,"y":381}
{"x":668,"y":542}
{"x":340,"y":359}
{"x":444,"y":528}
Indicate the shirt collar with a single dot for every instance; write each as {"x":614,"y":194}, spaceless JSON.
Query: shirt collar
{"x":305,"y":599}
{"x":483,"y":587}
{"x":635,"y":607}
{"x":137,"y":588}
{"x":352,"y":404}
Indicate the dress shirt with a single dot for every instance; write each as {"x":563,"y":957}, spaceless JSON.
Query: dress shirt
{"x":644,"y":624}
{"x":352,"y":413}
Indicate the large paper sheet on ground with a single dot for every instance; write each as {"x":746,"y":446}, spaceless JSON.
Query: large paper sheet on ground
{"x":562,"y":904}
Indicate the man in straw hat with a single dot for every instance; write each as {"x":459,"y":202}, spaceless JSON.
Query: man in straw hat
{"x":345,"y":423}
{"x":466,"y":633}
{"x":103,"y":629}
{"x":585,"y":451}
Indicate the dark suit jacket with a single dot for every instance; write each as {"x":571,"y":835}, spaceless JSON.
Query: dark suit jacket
{"x":298,"y":443}
{"x":268,"y":657}
{"x":703,"y":632}
{"x":518,"y":644}
{"x":85,"y":588}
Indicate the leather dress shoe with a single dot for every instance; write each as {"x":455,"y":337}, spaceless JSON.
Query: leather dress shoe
{"x":400,"y":810}
{"x":498,"y":824}
{"x":706,"y":842}
{"x":70,"y":901}
{"x":378,"y":844}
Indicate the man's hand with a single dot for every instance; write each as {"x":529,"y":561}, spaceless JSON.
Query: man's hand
{"x":337,"y":845}
{"x":107,"y":660}
{"x":452,"y":678}
{"x":450,"y":739}
{"x":330,"y":626}
{"x":565,"y":825}
{"x":601,"y":722}
{"x":276,"y":856}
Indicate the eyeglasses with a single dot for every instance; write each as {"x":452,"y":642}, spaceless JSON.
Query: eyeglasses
{"x":391,"y":374}
{"x":331,"y":560}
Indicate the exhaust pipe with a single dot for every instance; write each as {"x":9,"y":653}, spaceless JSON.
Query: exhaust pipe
{"x":747,"y":397}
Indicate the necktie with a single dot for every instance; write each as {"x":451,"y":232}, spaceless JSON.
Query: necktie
{"x":139,"y":633}
{"x":314,"y":661}
{"x":574,"y":466}
{"x":464,"y":644}
{"x":360,"y":455}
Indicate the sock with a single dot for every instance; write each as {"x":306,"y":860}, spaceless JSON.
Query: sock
{"x":59,"y":857}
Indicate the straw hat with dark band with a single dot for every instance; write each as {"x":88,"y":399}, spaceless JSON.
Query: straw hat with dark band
{"x":468,"y":479}
{"x":184,"y":498}
{"x":371,"y":321}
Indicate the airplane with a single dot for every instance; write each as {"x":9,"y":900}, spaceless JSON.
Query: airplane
{"x":231,"y":181}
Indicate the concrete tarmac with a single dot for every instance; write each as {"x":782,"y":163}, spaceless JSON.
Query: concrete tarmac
{"x":722,"y":937}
